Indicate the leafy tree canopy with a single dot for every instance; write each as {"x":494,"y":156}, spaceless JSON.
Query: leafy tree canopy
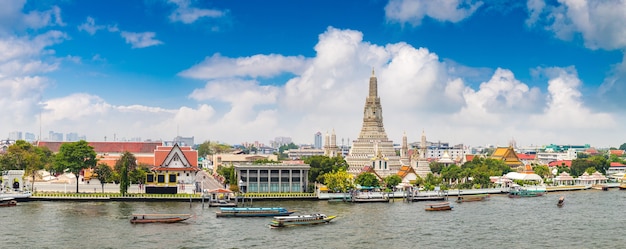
{"x":338,"y":181}
{"x":392,"y":181}
{"x":321,"y":165}
{"x":75,"y":157}
{"x":367,"y":180}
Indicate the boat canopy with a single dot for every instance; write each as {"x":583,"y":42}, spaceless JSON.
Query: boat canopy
{"x":524,"y":176}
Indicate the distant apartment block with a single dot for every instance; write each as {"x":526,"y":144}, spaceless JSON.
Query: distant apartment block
{"x":280,"y":141}
{"x":438,"y":149}
{"x":300,"y":153}
{"x":184,"y":141}
{"x":73,"y":137}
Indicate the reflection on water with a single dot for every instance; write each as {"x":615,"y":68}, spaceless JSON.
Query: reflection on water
{"x":589,"y":219}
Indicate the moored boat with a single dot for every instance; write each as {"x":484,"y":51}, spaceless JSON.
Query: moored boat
{"x":471,"y":198}
{"x":301,"y":220}
{"x":222,"y":203}
{"x":520,"y":192}
{"x":252,"y":212}
{"x":561,"y":201}
{"x":158,"y":218}
{"x":441,"y":206}
{"x":8,"y":202}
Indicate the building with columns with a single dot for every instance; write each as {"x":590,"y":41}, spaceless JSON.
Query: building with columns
{"x":372,"y":148}
{"x":273,"y":177}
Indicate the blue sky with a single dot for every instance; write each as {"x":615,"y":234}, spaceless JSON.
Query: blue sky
{"x":473,"y":72}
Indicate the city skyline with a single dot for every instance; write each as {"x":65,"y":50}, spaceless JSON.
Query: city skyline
{"x":471,"y":72}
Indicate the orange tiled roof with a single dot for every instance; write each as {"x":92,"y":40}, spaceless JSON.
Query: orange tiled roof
{"x":617,"y":164}
{"x":405,"y":170}
{"x":617,"y":152}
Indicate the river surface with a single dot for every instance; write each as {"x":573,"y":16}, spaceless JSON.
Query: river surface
{"x":589,"y":219}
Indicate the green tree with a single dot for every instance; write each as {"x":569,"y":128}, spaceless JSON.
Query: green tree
{"x":367,"y":180}
{"x":228,"y":172}
{"x":126,"y":164}
{"x":579,"y":166}
{"x":590,"y":170}
{"x":436,"y":167}
{"x":542,"y":170}
{"x":29,"y":158}
{"x":124,"y":181}
{"x":623,"y":146}
{"x":210,"y":148}
{"x":103,"y":173}
{"x":75,"y":157}
{"x":285,"y":147}
{"x":338,"y":181}
{"x":392,"y":181}
{"x":321,"y":165}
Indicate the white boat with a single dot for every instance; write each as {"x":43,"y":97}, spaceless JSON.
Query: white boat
{"x":16,"y":195}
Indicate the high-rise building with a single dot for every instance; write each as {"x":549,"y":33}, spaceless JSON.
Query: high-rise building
{"x":373,"y":148}
{"x":318,"y":140}
{"x":55,"y":136}
{"x":15,"y":135}
{"x":29,"y":137}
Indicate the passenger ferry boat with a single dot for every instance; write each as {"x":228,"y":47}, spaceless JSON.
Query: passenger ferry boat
{"x":252,"y":212}
{"x":520,"y":193}
{"x":300,"y":220}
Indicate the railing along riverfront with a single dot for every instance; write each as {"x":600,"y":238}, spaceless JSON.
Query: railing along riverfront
{"x":54,"y":195}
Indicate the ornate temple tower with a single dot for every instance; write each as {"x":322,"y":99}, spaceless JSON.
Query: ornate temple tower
{"x":421,"y":164}
{"x":373,"y":144}
{"x":330,"y":145}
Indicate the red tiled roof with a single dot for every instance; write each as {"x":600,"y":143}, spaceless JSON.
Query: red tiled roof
{"x":616,"y":164}
{"x":469,"y":157}
{"x":175,"y":169}
{"x":567,"y":163}
{"x":110,"y":147}
{"x":526,"y":156}
{"x":617,"y":152}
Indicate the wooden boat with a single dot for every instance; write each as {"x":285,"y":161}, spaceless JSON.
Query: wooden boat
{"x":561,"y":201}
{"x":300,"y":220}
{"x":441,"y":206}
{"x":252,"y":212}
{"x":600,"y":187}
{"x":519,"y":193}
{"x":471,"y":198}
{"x":8,"y":202}
{"x":222,"y":203}
{"x":158,"y":218}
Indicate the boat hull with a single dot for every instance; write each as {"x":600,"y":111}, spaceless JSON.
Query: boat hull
{"x":300,"y":221}
{"x":253,"y":212}
{"x":472,"y":198}
{"x":444,"y":206}
{"x":158,"y":220}
{"x":9,"y":203}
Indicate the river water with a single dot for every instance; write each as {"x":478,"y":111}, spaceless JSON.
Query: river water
{"x":589,"y":219}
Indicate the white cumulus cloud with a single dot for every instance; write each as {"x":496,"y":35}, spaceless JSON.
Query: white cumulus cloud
{"x":217,"y":66}
{"x":413,"y":11}
{"x":186,"y":14}
{"x":140,"y":40}
{"x":599,"y":23}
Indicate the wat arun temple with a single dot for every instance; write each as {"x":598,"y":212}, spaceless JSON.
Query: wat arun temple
{"x":373,"y":152}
